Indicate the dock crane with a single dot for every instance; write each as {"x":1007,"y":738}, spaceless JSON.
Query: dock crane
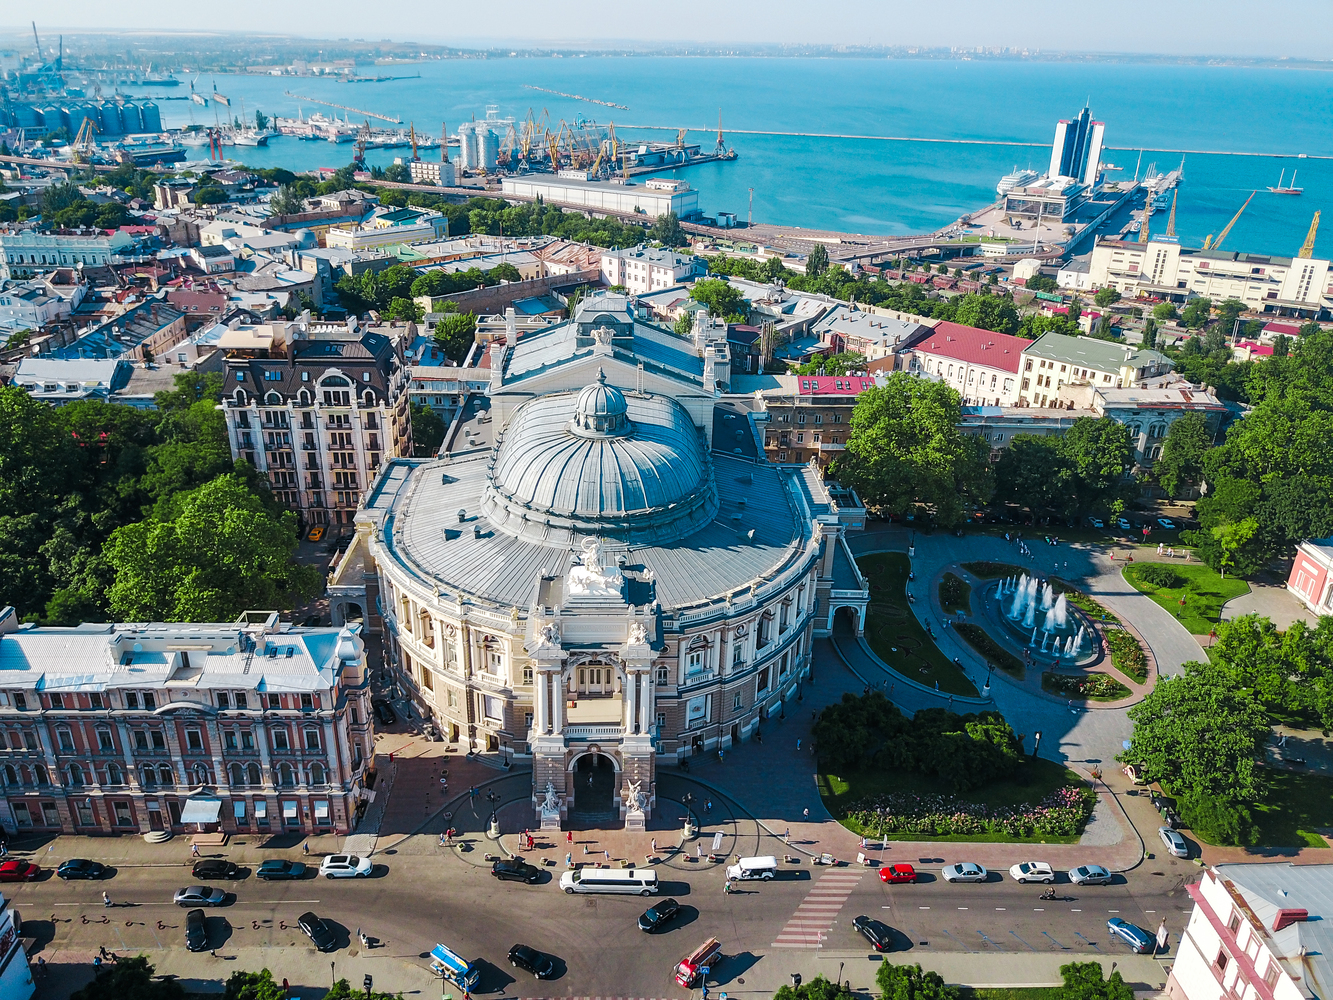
{"x":362,"y":139}
{"x":721,"y":146}
{"x":1213,"y":244}
{"x":444,"y":142}
{"x":1147,"y":214}
{"x":412,"y":134}
{"x":84,"y":143}
{"x":1171,"y":219}
{"x":1307,"y":248}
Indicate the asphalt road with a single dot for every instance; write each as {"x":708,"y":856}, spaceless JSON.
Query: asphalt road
{"x":414,"y":901}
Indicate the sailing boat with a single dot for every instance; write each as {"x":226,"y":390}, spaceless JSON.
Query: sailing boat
{"x":1292,"y":189}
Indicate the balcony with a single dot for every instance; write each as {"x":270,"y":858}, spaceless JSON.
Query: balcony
{"x":591,"y":734}
{"x":830,"y":446}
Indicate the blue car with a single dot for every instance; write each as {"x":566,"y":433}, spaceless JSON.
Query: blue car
{"x":1132,"y":934}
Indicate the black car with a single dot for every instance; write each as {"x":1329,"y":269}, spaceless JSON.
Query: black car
{"x":876,"y":932}
{"x":196,"y":936}
{"x":516,"y":871}
{"x":319,"y":933}
{"x":216,"y":869}
{"x":659,"y":915}
{"x":276,"y":869}
{"x":383,"y":712}
{"x":80,"y":868}
{"x":531,"y":960}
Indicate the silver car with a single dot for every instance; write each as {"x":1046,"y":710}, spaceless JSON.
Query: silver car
{"x":964,"y":871}
{"x":1090,"y":875}
{"x":199,"y":895}
{"x":1175,"y":843}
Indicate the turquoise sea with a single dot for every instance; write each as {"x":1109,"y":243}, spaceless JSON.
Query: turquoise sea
{"x":867,"y":185}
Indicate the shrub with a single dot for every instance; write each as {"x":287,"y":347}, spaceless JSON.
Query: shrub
{"x":981,"y":640}
{"x":1157,"y":575}
{"x":1095,"y":685}
{"x":1217,"y":820}
{"x":1063,"y":813}
{"x":955,"y":594}
{"x":1126,"y":654}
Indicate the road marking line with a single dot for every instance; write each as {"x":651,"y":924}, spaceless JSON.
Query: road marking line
{"x":962,"y":907}
{"x":1075,"y":911}
{"x":1112,"y":911}
{"x":1000,"y":908}
{"x":1039,"y":909}
{"x":923,"y":907}
{"x":1149,"y":911}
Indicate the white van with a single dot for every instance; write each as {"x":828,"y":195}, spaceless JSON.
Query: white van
{"x":748,"y":868}
{"x":642,"y":881}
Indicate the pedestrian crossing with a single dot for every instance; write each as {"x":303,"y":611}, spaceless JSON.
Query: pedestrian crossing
{"x":809,"y":925}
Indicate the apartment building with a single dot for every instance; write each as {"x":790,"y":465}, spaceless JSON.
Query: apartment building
{"x":1161,"y":269}
{"x":1311,"y":579}
{"x":16,"y":981}
{"x":644,"y":269}
{"x":860,"y":331}
{"x":317,"y":408}
{"x":980,"y":365}
{"x":253,"y":726}
{"x":27,"y":252}
{"x":1257,"y":932}
{"x":810,"y":416}
{"x":1054,"y":361}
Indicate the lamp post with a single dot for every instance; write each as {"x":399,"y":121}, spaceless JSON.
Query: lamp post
{"x":985,"y":690}
{"x":1036,"y":743}
{"x":493,"y":828}
{"x":690,"y":831}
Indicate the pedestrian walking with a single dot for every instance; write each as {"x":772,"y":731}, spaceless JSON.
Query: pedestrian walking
{"x":570,"y":836}
{"x":41,"y":966}
{"x":726,"y":887}
{"x":786,"y":837}
{"x":708,"y":806}
{"x":97,"y":962}
{"x":698,"y":851}
{"x":106,"y":898}
{"x":798,"y":746}
{"x":286,"y":987}
{"x":937,"y":686}
{"x":608,"y":856}
{"x":569,"y":860}
{"x":805,"y":813}
{"x":305,"y":847}
{"x":654,"y":845}
{"x":102,"y":951}
{"x":951,"y":701}
{"x":1171,"y":552}
{"x":194,"y":850}
{"x":441,"y":838}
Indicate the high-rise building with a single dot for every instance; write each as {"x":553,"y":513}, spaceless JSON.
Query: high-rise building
{"x":1077,"y":150}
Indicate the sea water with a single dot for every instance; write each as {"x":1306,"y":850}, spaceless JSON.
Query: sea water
{"x":870,"y":185}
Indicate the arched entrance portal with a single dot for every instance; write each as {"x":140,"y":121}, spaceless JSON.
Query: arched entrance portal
{"x":594,"y":789}
{"x":846,"y":621}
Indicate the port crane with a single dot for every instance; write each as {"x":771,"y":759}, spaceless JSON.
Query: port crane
{"x":85,"y":143}
{"x":412,"y":134}
{"x":1171,"y":219}
{"x":1147,"y":214}
{"x":1213,"y":244}
{"x":1307,"y":248}
{"x":362,"y":139}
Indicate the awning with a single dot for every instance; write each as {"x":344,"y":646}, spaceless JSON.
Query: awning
{"x":261,"y":808}
{"x":321,"y":810}
{"x":238,"y":808}
{"x":201,"y":810}
{"x":288,"y":810}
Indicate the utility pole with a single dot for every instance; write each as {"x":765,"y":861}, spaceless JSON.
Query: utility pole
{"x":749,"y":217}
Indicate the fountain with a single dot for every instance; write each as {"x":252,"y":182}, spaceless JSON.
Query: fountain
{"x":1033,"y":609}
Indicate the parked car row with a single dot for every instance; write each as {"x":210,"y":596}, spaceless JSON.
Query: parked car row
{"x":1023,"y":872}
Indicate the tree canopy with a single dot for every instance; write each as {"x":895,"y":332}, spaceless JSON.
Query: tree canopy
{"x":207,"y":555}
{"x":722,"y":299}
{"x":905,"y":449}
{"x":1180,"y":467}
{"x":1084,"y":470}
{"x":833,"y":364}
{"x":132,"y":979}
{"x":908,"y":982}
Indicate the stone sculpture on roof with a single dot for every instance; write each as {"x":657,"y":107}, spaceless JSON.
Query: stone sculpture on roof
{"x":590,"y":578}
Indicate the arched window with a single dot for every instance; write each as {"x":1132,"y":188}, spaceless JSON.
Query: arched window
{"x":43,"y":779}
{"x":286,"y":779}
{"x":273,"y":398}
{"x":165,"y":776}
{"x":252,"y":775}
{"x":240,"y":397}
{"x":114,"y":775}
{"x":11,"y":776}
{"x":305,"y":397}
{"x":201,"y":776}
{"x":237,"y":775}
{"x":368,"y":397}
{"x":334,"y":380}
{"x":148,"y":778}
{"x":316,"y":774}
{"x":75,"y":774}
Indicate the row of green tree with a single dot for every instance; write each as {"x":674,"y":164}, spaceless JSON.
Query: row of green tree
{"x":107,"y":510}
{"x":1081,"y":981}
{"x":390,"y":291}
{"x":868,"y":731}
{"x":134,"y":978}
{"x":905,"y":451}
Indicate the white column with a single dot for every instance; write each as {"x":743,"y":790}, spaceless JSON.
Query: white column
{"x":539,"y":686}
{"x":646,"y":702}
{"x":558,"y":705}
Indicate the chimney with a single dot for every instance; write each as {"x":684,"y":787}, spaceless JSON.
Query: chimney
{"x":1285,"y":918}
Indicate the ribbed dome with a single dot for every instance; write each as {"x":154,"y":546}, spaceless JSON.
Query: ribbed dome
{"x":601,"y":410}
{"x":599,"y":463}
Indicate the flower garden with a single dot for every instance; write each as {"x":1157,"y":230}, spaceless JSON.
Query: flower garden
{"x":1061,"y":814}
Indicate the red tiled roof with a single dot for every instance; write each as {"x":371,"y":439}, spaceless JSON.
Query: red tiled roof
{"x":1290,"y":329}
{"x":974,"y":346}
{"x":1265,"y":349}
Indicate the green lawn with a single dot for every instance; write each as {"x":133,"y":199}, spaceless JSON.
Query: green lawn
{"x":1203,"y":589}
{"x":982,"y":641}
{"x":1012,"y":993}
{"x":894,"y":633}
{"x":1034,"y":780}
{"x":955,"y":594}
{"x":1297,"y":805}
{"x":990,"y":570}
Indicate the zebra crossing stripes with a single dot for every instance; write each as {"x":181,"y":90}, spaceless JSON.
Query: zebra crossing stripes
{"x":809,"y":925}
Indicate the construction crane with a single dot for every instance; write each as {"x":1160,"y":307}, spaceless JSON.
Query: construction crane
{"x":1171,"y":219}
{"x":444,"y":142}
{"x":680,"y":138}
{"x":1147,"y":214}
{"x":1307,"y":248}
{"x":553,"y":150}
{"x":721,"y":146}
{"x":362,"y":139}
{"x":412,"y":134}
{"x":1213,"y":244}
{"x":84,"y":143}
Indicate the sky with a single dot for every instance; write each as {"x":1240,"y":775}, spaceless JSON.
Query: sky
{"x":1291,"y":28}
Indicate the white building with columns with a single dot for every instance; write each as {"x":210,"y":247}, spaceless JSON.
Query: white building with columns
{"x":602,"y":569}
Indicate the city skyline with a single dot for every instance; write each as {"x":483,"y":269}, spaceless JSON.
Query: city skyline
{"x":1139,"y":28}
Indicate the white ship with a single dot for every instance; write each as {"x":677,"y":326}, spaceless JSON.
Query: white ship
{"x":253,"y":137}
{"x":1019,"y":178}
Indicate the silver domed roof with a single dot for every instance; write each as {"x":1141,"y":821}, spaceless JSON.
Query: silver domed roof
{"x":599,"y":462}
